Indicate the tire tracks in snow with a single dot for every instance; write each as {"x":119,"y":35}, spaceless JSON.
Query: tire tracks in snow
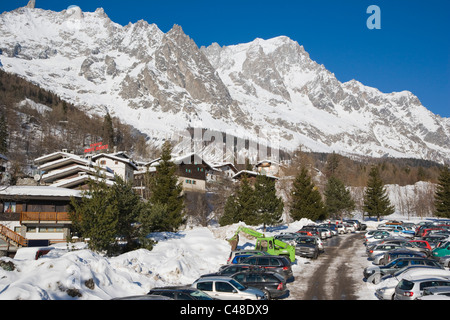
{"x":331,"y":276}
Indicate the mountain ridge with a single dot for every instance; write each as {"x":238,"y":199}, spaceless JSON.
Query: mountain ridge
{"x":162,"y":83}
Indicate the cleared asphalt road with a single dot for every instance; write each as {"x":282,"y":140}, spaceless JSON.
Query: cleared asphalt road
{"x":334,"y":275}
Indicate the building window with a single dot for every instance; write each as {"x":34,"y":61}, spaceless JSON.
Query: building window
{"x":50,"y":230}
{"x":31,"y":229}
{"x":9,"y":207}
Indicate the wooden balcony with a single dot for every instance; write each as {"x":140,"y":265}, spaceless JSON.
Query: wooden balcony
{"x":45,"y":217}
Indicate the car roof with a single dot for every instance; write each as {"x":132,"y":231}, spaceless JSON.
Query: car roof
{"x":174,"y":288}
{"x":144,"y":297}
{"x":225,"y":278}
{"x":424,"y":270}
{"x":428,"y":277}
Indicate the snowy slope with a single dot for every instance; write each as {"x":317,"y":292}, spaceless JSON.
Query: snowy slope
{"x":269,"y":91}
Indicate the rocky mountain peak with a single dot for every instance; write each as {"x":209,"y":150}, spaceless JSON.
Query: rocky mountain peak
{"x":163,"y":82}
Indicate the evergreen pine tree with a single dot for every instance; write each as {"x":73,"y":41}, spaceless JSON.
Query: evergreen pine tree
{"x":269,"y":205}
{"x":337,"y":198}
{"x":376,"y":201}
{"x":306,"y":201}
{"x":246,"y":203}
{"x":241,"y":206}
{"x":166,"y":189}
{"x":442,"y":195}
{"x":108,"y":131}
{"x":129,"y":207}
{"x":96,"y":217}
{"x":231,"y":212}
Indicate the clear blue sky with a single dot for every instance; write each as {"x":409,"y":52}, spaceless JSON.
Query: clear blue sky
{"x":411,"y":51}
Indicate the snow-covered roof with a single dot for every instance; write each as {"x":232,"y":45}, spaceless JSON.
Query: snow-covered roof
{"x":38,"y":191}
{"x":64,"y":161}
{"x":266,"y":161}
{"x":252,"y":173}
{"x":70,"y":183}
{"x":117,"y":158}
{"x":54,"y":156}
{"x":224,"y":164}
{"x":57,"y":174}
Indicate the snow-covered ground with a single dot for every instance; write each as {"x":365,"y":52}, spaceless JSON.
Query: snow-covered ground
{"x":76,"y":273}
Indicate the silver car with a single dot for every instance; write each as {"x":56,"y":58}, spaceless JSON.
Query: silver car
{"x":412,"y":288}
{"x":436,"y":293}
{"x":226,"y":288}
{"x":381,"y":248}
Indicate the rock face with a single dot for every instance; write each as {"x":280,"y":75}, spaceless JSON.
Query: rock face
{"x":162,"y":82}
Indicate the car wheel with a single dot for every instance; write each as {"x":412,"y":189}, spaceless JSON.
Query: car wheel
{"x":266,"y":294}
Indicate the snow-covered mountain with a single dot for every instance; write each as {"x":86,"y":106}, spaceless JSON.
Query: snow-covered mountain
{"x":268,"y":91}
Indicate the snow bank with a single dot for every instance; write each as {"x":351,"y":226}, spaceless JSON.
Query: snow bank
{"x":77,"y":273}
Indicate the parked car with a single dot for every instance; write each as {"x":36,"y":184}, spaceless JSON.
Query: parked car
{"x":341,"y":228}
{"x":180,"y":293}
{"x":289,"y":238}
{"x":325,"y":232}
{"x":349,"y":226}
{"x":356,"y":223}
{"x":388,"y":283}
{"x":271,"y":283}
{"x":375,"y":273}
{"x":435,"y":239}
{"x":311,"y":229}
{"x":412,"y":288}
{"x":226,"y":288}
{"x":389,"y":256}
{"x":279,"y":264}
{"x":304,"y":232}
{"x":376,"y":236}
{"x":436,"y":293}
{"x":428,"y":231}
{"x":442,"y":250}
{"x":444,"y":261}
{"x":381,"y":248}
{"x":388,"y":240}
{"x":307,"y":247}
{"x":229,"y":269}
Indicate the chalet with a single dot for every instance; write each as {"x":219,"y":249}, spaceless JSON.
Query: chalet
{"x":267,"y":167}
{"x":251,"y":175}
{"x":227,"y":169}
{"x":67,"y":170}
{"x":118,"y":163}
{"x":35,"y":214}
{"x":194,"y":172}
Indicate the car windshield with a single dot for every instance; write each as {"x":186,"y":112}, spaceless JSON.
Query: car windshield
{"x":237,"y":285}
